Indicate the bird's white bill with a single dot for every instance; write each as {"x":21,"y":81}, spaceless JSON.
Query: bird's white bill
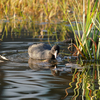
{"x":55,"y":54}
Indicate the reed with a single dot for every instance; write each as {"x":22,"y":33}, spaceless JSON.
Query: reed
{"x":20,"y":13}
{"x":38,"y":10}
{"x":90,"y":30}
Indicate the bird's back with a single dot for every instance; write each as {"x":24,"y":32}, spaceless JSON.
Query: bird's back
{"x":39,"y":51}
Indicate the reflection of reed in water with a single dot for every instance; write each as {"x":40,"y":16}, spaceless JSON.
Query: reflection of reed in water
{"x":23,"y":30}
{"x":70,"y":84}
{"x":2,"y":29}
{"x":85,"y":84}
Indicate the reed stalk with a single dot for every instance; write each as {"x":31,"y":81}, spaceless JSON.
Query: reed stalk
{"x":90,"y":21}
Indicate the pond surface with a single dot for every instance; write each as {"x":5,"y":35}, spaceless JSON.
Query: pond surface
{"x":23,"y":79}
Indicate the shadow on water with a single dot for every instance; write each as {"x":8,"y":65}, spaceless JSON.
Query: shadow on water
{"x":23,"y":78}
{"x":2,"y":82}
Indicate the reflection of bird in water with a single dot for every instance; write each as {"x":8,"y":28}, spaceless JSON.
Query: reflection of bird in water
{"x":43,"y":65}
{"x":43,"y":51}
{"x":56,"y":71}
{"x":40,"y":52}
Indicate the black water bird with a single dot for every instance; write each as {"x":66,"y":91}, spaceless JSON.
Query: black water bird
{"x":43,"y":51}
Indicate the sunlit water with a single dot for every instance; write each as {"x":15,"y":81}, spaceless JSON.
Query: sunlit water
{"x":22,"y":79}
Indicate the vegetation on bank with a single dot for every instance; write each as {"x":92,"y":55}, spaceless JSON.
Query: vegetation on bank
{"x":32,"y":17}
{"x":41,"y":10}
{"x":88,"y":41}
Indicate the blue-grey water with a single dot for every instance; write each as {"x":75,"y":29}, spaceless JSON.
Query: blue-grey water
{"x":22,"y":78}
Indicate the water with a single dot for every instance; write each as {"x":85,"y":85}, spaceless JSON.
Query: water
{"x":21,"y":80}
{"x":24,"y":79}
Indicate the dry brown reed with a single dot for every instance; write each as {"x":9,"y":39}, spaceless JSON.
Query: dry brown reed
{"x":40,"y":9}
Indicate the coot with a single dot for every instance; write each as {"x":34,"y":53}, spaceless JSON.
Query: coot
{"x":43,"y":51}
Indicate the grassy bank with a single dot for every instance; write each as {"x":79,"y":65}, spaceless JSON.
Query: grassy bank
{"x":32,"y":17}
{"x":40,"y":9}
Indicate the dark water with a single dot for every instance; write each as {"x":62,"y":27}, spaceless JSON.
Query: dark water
{"x":23,"y":79}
